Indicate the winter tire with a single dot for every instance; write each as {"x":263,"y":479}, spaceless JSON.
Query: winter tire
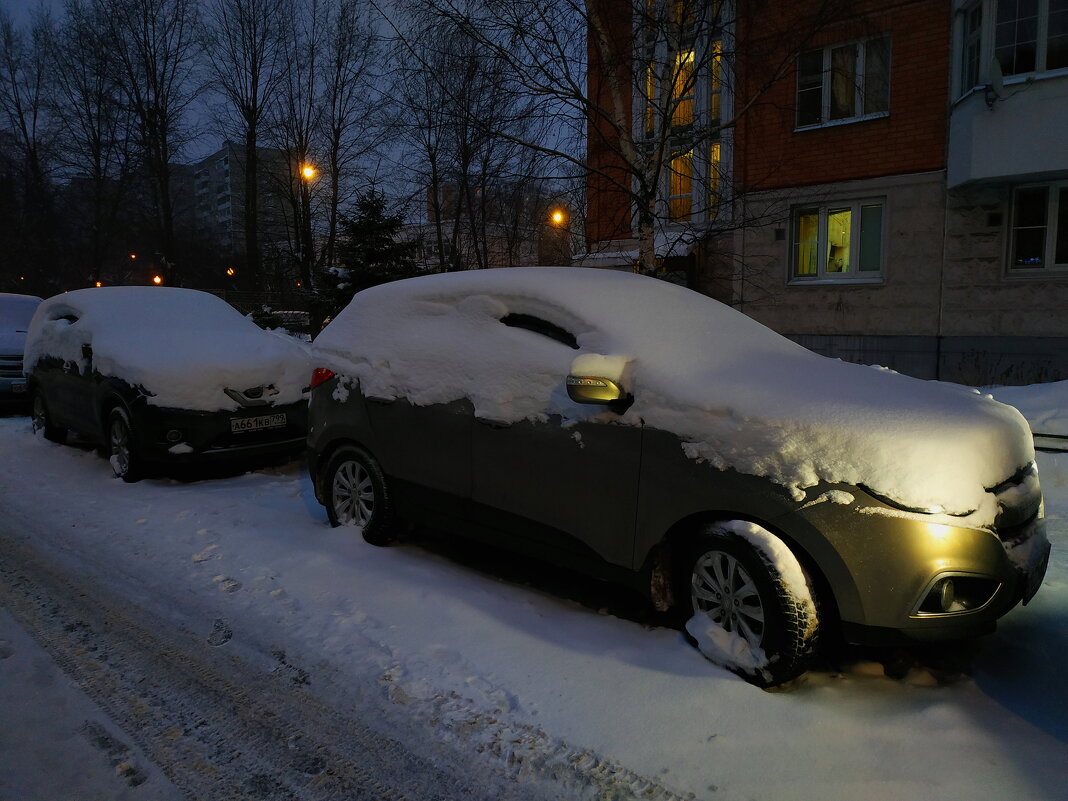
{"x":42,"y":421}
{"x":356,"y":494}
{"x":123,"y":448}
{"x":744,"y":612}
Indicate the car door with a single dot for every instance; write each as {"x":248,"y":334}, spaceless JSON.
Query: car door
{"x":65,"y":375}
{"x":568,"y":488}
{"x":425,"y":450}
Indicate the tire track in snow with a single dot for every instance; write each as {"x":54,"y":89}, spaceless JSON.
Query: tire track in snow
{"x":222,"y":729}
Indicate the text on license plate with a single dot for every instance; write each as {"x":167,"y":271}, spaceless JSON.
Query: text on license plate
{"x":239,"y":425}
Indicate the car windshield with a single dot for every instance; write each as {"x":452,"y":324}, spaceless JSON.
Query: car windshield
{"x":16,"y":312}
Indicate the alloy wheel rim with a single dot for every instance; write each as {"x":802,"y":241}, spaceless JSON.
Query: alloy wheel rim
{"x":120,"y":447}
{"x":354,"y":495}
{"x":723,"y":590}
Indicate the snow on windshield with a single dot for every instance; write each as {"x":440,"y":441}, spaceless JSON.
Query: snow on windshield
{"x":181,"y":345}
{"x":735,"y":392}
{"x":16,"y":311}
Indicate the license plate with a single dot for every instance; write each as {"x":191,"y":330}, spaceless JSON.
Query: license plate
{"x":239,"y":425}
{"x":19,"y":386}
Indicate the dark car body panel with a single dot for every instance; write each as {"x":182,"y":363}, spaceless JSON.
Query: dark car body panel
{"x":602,"y":496}
{"x":79,"y":398}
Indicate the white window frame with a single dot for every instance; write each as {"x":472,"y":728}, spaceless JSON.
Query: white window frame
{"x":826,"y":87}
{"x":987,"y":47}
{"x":710,"y":81}
{"x":1049,"y":265}
{"x":823,"y":275}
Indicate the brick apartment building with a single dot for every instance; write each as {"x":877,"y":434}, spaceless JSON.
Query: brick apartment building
{"x":894,"y":188}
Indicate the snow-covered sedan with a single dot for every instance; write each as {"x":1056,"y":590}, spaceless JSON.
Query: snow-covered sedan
{"x":161,"y":375}
{"x":643,"y":432}
{"x":16,"y":312}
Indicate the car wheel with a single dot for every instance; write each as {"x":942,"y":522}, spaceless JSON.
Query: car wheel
{"x":123,"y":450}
{"x":41,"y":420}
{"x":749,"y":605}
{"x":356,"y":494}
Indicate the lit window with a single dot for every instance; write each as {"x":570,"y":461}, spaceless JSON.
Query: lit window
{"x":680,"y":200}
{"x":844,"y":82}
{"x":1039,"y":228}
{"x":838,"y":242}
{"x":682,"y":89}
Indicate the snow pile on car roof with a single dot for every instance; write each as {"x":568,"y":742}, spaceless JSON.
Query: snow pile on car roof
{"x":183,"y":346}
{"x":736,"y":393}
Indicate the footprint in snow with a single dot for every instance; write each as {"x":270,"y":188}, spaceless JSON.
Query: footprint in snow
{"x":220,"y":633}
{"x":227,"y":584}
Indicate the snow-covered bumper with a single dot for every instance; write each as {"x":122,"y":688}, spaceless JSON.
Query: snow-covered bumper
{"x":899,"y":576}
{"x":176,"y":436}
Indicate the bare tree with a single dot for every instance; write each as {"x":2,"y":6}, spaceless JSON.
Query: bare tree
{"x":156,"y":50}
{"x":95,"y":125}
{"x":350,"y":122}
{"x":295,"y":117}
{"x":641,"y":83}
{"x":456,"y":100}
{"x":244,"y":47}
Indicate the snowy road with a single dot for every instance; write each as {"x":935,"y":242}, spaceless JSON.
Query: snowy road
{"x":250,"y":651}
{"x":222,"y":729}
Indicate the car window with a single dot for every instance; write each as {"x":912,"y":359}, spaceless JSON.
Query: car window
{"x":537,"y":325}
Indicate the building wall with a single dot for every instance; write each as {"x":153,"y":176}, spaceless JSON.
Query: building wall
{"x":905,"y":302}
{"x":772,"y":154}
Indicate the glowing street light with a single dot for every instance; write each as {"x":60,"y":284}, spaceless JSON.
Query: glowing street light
{"x":307,"y":171}
{"x":157,"y":279}
{"x":230,"y":271}
{"x":557,"y":217}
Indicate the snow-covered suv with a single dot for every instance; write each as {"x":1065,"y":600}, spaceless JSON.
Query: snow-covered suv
{"x":643,"y":432}
{"x":162,"y":375}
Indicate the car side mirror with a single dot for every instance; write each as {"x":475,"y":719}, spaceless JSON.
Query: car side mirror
{"x":600,"y":391}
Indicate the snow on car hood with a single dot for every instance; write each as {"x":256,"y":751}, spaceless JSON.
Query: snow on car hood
{"x":184,"y":347}
{"x":736,"y":393}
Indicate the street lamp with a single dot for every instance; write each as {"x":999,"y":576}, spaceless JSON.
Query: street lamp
{"x":307,"y":171}
{"x":157,"y":279}
{"x":557,"y":217}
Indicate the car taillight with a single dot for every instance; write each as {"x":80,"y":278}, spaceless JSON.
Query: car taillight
{"x":319,"y":375}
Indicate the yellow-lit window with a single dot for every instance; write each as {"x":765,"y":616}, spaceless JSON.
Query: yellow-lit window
{"x":682,"y":88}
{"x":650,"y":100}
{"x":806,"y":239}
{"x":839,"y":236}
{"x":681,"y":195}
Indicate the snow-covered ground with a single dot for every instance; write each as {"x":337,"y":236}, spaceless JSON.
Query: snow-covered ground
{"x":525,"y":669}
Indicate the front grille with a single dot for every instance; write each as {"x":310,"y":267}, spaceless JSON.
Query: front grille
{"x":11,"y":366}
